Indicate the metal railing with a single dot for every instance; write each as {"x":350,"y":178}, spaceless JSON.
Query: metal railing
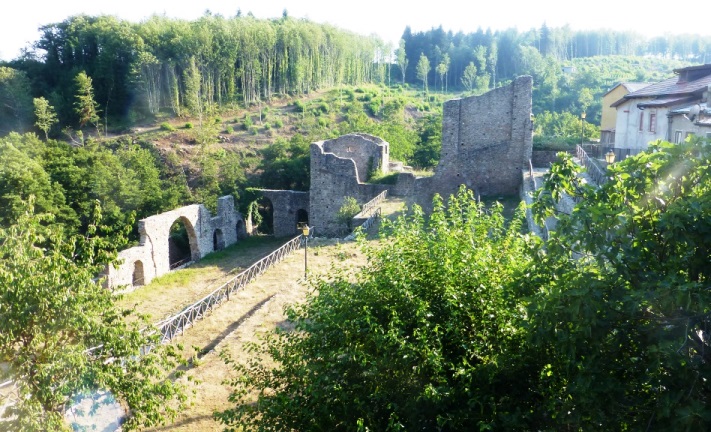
{"x":367,"y":224}
{"x":596,"y":173}
{"x":175,"y":325}
{"x":370,"y":205}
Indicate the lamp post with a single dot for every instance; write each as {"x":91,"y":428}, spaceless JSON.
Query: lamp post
{"x":582,"y":127}
{"x":610,"y":157}
{"x":304,"y":227}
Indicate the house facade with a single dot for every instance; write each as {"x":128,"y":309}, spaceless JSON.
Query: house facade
{"x":608,"y":122}
{"x":661,"y":110}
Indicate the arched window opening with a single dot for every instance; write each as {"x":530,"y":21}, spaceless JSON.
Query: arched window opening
{"x":218,"y":243}
{"x":138,"y":278}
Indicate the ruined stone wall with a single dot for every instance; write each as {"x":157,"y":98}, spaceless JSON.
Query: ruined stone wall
{"x":286,"y":206}
{"x":486,"y":142}
{"x":153,"y":250}
{"x":367,"y":151}
{"x":333,"y":178}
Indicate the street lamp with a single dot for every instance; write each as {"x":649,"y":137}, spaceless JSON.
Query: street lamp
{"x":610,"y":157}
{"x":304,"y":227}
{"x":582,"y":127}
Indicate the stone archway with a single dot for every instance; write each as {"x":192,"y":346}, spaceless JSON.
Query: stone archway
{"x":266,"y":213}
{"x":138,"y":277}
{"x":218,"y":242}
{"x":241,"y":229}
{"x":182,"y":243}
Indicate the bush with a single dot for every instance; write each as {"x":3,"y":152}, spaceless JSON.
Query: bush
{"x":300,"y":107}
{"x":278,"y":123}
{"x":188,"y":125}
{"x":247,"y":123}
{"x":267,"y":126}
{"x":166,"y":127}
{"x":254,"y":130}
{"x":229,"y":130}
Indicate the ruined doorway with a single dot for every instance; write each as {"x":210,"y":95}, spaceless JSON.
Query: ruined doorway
{"x":241,"y":230}
{"x":302,"y":216}
{"x":266,"y":214}
{"x":218,"y":242}
{"x":182,"y":243}
{"x":138,"y":278}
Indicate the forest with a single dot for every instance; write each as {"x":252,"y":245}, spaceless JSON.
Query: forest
{"x":105,"y":121}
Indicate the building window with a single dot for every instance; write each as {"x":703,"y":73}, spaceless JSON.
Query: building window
{"x":641,"y":121}
{"x":677,"y":137}
{"x":653,"y":122}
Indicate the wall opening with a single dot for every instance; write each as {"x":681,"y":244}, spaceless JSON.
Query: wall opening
{"x":241,"y":229}
{"x":266,"y":214}
{"x":302,"y":216}
{"x":181,"y":243}
{"x":138,"y":278}
{"x":218,"y":242}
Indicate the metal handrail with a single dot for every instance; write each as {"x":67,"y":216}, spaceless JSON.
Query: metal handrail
{"x":172,"y":326}
{"x":594,"y":171}
{"x":370,"y":205}
{"x":367,"y":224}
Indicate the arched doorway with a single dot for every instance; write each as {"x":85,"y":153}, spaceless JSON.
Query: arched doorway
{"x":241,"y":229}
{"x":218,"y":243}
{"x":302,"y":216}
{"x":181,"y":243}
{"x":138,"y":278}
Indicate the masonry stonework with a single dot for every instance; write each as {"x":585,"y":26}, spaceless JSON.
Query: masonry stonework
{"x":150,"y":259}
{"x":339,"y":168}
{"x":486,"y":142}
{"x":288,"y":208}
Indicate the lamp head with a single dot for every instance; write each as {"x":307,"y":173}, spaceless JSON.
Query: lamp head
{"x":583,"y":115}
{"x":610,"y":157}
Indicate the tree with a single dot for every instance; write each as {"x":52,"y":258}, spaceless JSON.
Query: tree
{"x":442,"y":69}
{"x":62,"y":335}
{"x":469,"y":77}
{"x":348,"y":209}
{"x":423,"y":70}
{"x":85,"y":106}
{"x":621,"y":295}
{"x":15,"y":100}
{"x":426,"y":337}
{"x":402,"y":60}
{"x":45,"y":116}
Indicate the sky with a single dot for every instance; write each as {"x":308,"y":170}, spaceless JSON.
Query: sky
{"x":385,"y":18}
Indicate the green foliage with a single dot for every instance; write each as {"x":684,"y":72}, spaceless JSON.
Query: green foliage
{"x":624,"y":322}
{"x":428,"y":337}
{"x":348,"y":209}
{"x":15,"y":100}
{"x":53,"y":312}
{"x":45,"y":115}
{"x":85,"y":106}
{"x":166,"y":127}
{"x":562,"y":128}
{"x":285,"y":164}
{"x":188,"y":125}
{"x":278,"y":123}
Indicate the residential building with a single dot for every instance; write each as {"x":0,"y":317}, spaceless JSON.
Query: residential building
{"x":609,"y":114}
{"x":669,"y":110}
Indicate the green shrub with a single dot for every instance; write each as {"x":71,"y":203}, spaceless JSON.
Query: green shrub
{"x":278,"y":123}
{"x":229,"y":130}
{"x":247,"y":123}
{"x":166,"y":127}
{"x":267,"y":126}
{"x":218,"y":120}
{"x":254,"y":130}
{"x":300,"y":107}
{"x":188,"y":125}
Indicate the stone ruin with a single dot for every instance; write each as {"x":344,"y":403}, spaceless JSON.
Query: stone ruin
{"x":486,"y":144}
{"x":151,"y":258}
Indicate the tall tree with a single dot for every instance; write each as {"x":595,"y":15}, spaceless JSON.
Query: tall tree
{"x":469,"y":77}
{"x":423,"y":70}
{"x":45,"y":116}
{"x":15,"y":100}
{"x":85,"y":106}
{"x":402,"y":60}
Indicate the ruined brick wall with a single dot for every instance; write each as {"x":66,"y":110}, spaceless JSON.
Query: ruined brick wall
{"x":486,"y":142}
{"x":153,"y":250}
{"x":367,"y":151}
{"x":286,"y":206}
{"x":333,"y":178}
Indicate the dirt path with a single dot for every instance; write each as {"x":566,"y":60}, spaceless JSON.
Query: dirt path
{"x":258,"y":308}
